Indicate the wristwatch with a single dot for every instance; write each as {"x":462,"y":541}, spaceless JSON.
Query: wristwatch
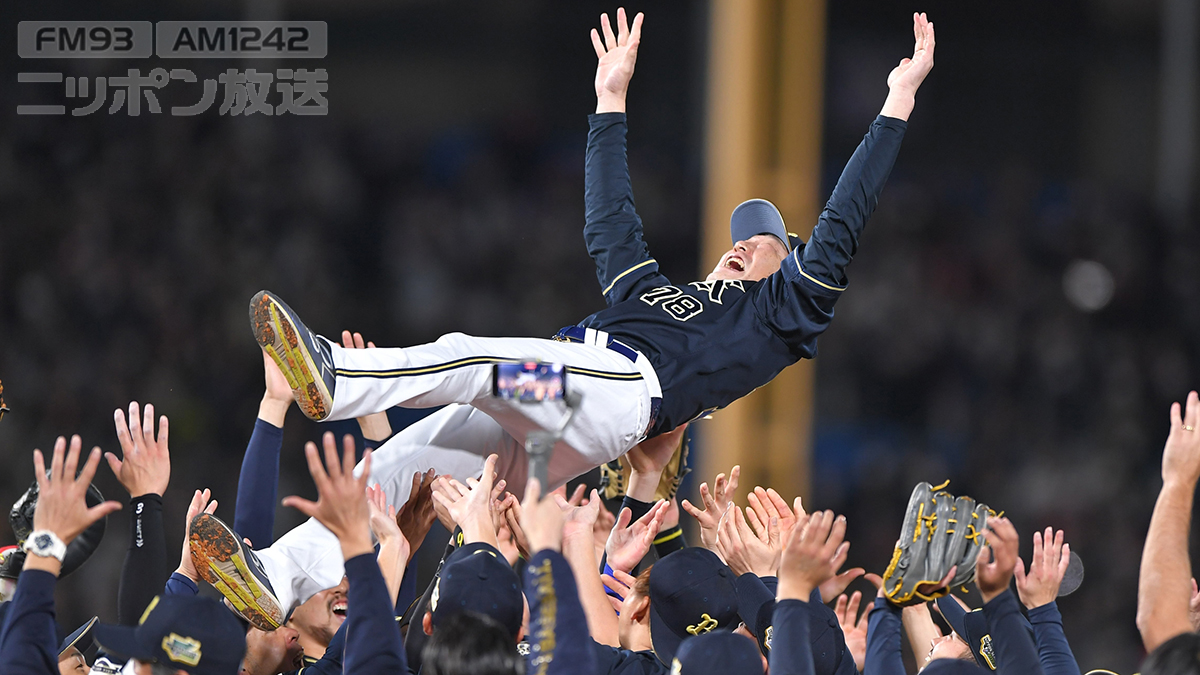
{"x":45,"y":544}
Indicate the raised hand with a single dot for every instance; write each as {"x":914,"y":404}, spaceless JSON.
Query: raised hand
{"x":341,"y":502}
{"x":996,"y":562}
{"x":815,"y":550}
{"x":715,"y":505}
{"x":1181,"y":455}
{"x":628,"y":544}
{"x":375,"y":427}
{"x":472,"y":509}
{"x":579,"y":520}
{"x":417,"y":515}
{"x":743,"y":550}
{"x":61,"y":505}
{"x":146,"y":467}
{"x":277,"y":398}
{"x":855,"y":632}
{"x":542,"y":519}
{"x":200,"y":504}
{"x":617,"y":55}
{"x":1046,"y":569}
{"x":911,"y":72}
{"x":767,"y":504}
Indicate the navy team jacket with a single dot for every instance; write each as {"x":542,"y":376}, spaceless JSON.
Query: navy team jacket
{"x":713,"y":342}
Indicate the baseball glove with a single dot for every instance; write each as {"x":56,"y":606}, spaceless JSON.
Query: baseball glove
{"x":939,"y":532}
{"x":78,"y":551}
{"x":614,"y":476}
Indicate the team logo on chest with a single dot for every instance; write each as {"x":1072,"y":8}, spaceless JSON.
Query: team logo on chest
{"x":682,"y":306}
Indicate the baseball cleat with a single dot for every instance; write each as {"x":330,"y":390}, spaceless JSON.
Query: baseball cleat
{"x":304,"y":357}
{"x":227,"y":563}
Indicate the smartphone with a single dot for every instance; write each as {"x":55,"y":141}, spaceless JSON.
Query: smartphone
{"x":529,"y":381}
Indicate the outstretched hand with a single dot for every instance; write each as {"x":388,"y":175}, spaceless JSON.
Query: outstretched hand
{"x":618,"y":55}
{"x":814,"y":551}
{"x":62,"y":505}
{"x":341,"y":504}
{"x":200,"y":504}
{"x":471,"y":506}
{"x":146,"y":467}
{"x":911,"y":72}
{"x":996,"y":562}
{"x":716,"y":503}
{"x":629,"y":543}
{"x":416,"y":517}
{"x":1181,"y":455}
{"x":1051,"y":556}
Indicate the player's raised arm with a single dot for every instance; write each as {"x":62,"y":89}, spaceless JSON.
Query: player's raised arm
{"x":817,"y":271}
{"x":613,"y":230}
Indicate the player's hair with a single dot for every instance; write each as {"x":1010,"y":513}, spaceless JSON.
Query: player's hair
{"x":1178,"y":656}
{"x":641,"y":585}
{"x":470,"y":643}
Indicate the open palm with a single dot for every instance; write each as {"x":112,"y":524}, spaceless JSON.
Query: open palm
{"x":617,"y":54}
{"x":911,"y":72}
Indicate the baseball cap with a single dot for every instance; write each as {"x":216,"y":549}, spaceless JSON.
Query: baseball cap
{"x":973,"y":627}
{"x":952,"y":667}
{"x":691,"y":593}
{"x":476,"y":577}
{"x":759,"y":216}
{"x":825,"y":635}
{"x":80,"y":638}
{"x":717,"y":652}
{"x":185,"y":632}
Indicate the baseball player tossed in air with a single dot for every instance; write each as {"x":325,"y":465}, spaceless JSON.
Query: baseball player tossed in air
{"x":658,"y":356}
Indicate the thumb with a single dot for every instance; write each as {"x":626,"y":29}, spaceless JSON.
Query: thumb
{"x":308,"y":508}
{"x":1019,"y":572}
{"x":773,"y":533}
{"x":113,"y":463}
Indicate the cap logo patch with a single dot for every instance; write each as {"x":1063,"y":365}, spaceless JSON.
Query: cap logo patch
{"x":706,"y":624}
{"x":768,"y":636}
{"x":986,"y":651}
{"x":676,"y":667}
{"x":433,"y":598}
{"x":182,"y":649}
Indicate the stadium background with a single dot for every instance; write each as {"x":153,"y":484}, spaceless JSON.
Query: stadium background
{"x":444,"y":192}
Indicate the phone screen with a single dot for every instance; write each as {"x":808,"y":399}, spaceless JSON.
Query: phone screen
{"x":529,"y":381}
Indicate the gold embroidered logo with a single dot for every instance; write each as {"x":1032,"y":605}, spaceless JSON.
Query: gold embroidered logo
{"x":986,"y":651}
{"x":676,"y":667}
{"x":182,"y":649}
{"x":770,"y":635}
{"x":706,"y":624}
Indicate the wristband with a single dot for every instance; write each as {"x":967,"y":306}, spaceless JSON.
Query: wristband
{"x":45,"y":544}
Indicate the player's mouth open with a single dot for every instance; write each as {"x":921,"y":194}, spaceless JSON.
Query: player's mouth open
{"x":339,"y":609}
{"x":736,"y":264}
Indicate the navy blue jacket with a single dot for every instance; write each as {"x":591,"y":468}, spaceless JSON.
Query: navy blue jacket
{"x":883,"y":641}
{"x":791,"y":652}
{"x":1053,"y":650}
{"x":712,"y":343}
{"x":1015,"y":651}
{"x":29,"y":638}
{"x":373,"y":644}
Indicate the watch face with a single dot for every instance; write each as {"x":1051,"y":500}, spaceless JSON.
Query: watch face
{"x":43,"y":541}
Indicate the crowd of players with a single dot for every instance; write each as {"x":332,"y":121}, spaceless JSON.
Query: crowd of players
{"x":557,"y":584}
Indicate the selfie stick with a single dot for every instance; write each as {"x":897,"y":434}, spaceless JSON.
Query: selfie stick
{"x":539,"y":444}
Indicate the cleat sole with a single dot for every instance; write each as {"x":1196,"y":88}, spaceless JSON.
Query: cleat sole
{"x":217,"y":557}
{"x":277,"y":336}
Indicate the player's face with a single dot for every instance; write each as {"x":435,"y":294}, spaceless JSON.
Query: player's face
{"x":320,"y":617}
{"x":752,"y":259}
{"x":72,"y":663}
{"x":270,"y":653}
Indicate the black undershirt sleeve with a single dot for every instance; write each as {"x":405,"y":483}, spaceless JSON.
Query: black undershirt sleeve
{"x":145,"y":570}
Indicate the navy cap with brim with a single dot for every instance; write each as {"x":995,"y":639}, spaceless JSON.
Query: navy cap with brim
{"x":183,"y":632}
{"x":718,"y":652}
{"x":686,"y":587}
{"x":477,"y":578}
{"x":759,"y":216}
{"x":80,"y":638}
{"x":123,"y":641}
{"x":825,"y":635}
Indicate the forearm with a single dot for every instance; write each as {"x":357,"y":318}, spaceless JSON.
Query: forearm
{"x":375,"y":428}
{"x":642,"y":486}
{"x":392,"y":559}
{"x":834,"y":241}
{"x":145,"y":569}
{"x":919,"y":627}
{"x":30,"y":641}
{"x":479,"y":530}
{"x":373,"y":642}
{"x":1054,"y":651}
{"x":1015,"y":651}
{"x":791,"y":651}
{"x":1164,"y":585}
{"x":258,"y":483}
{"x":580,"y":552}
{"x":558,"y":629}
{"x":899,"y":103}
{"x":883,"y":641}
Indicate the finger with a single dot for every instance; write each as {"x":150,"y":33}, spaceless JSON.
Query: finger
{"x":347,"y":467}
{"x":359,"y":343}
{"x":1176,"y":419}
{"x":148,"y":424}
{"x":39,"y":469}
{"x":949,"y":576}
{"x":347,"y":340}
{"x":635,"y":35}
{"x":56,"y":460}
{"x":1038,"y":555}
{"x":690,"y":510}
{"x":366,"y":464}
{"x":101,"y":510}
{"x":114,"y":464}
{"x":577,"y":496}
{"x":706,"y":497}
{"x":489,"y":472}
{"x":734,"y":474}
{"x":1192,"y":416}
{"x":1065,"y":561}
{"x":211,"y":507}
{"x":122,"y":431}
{"x":370,"y":345}
{"x":1019,"y":572}
{"x":135,"y":422}
{"x":798,"y":507}
{"x":622,"y":26}
{"x":852,"y":606}
{"x":302,"y":505}
{"x":597,"y":44}
{"x":89,"y":468}
{"x":840,"y":608}
{"x":533,"y":492}
{"x":72,"y":460}
{"x":764,"y":502}
{"x":623,"y":519}
{"x":875,"y":579}
{"x":315,"y":468}
{"x":163,"y":432}
{"x":738,"y":518}
{"x":332,"y":465}
{"x":719,"y":489}
{"x":610,"y":40}
{"x":773,"y":534}
{"x":837,"y":533}
{"x":839,"y":556}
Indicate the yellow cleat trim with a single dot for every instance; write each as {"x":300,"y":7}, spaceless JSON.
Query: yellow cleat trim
{"x":245,"y":572}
